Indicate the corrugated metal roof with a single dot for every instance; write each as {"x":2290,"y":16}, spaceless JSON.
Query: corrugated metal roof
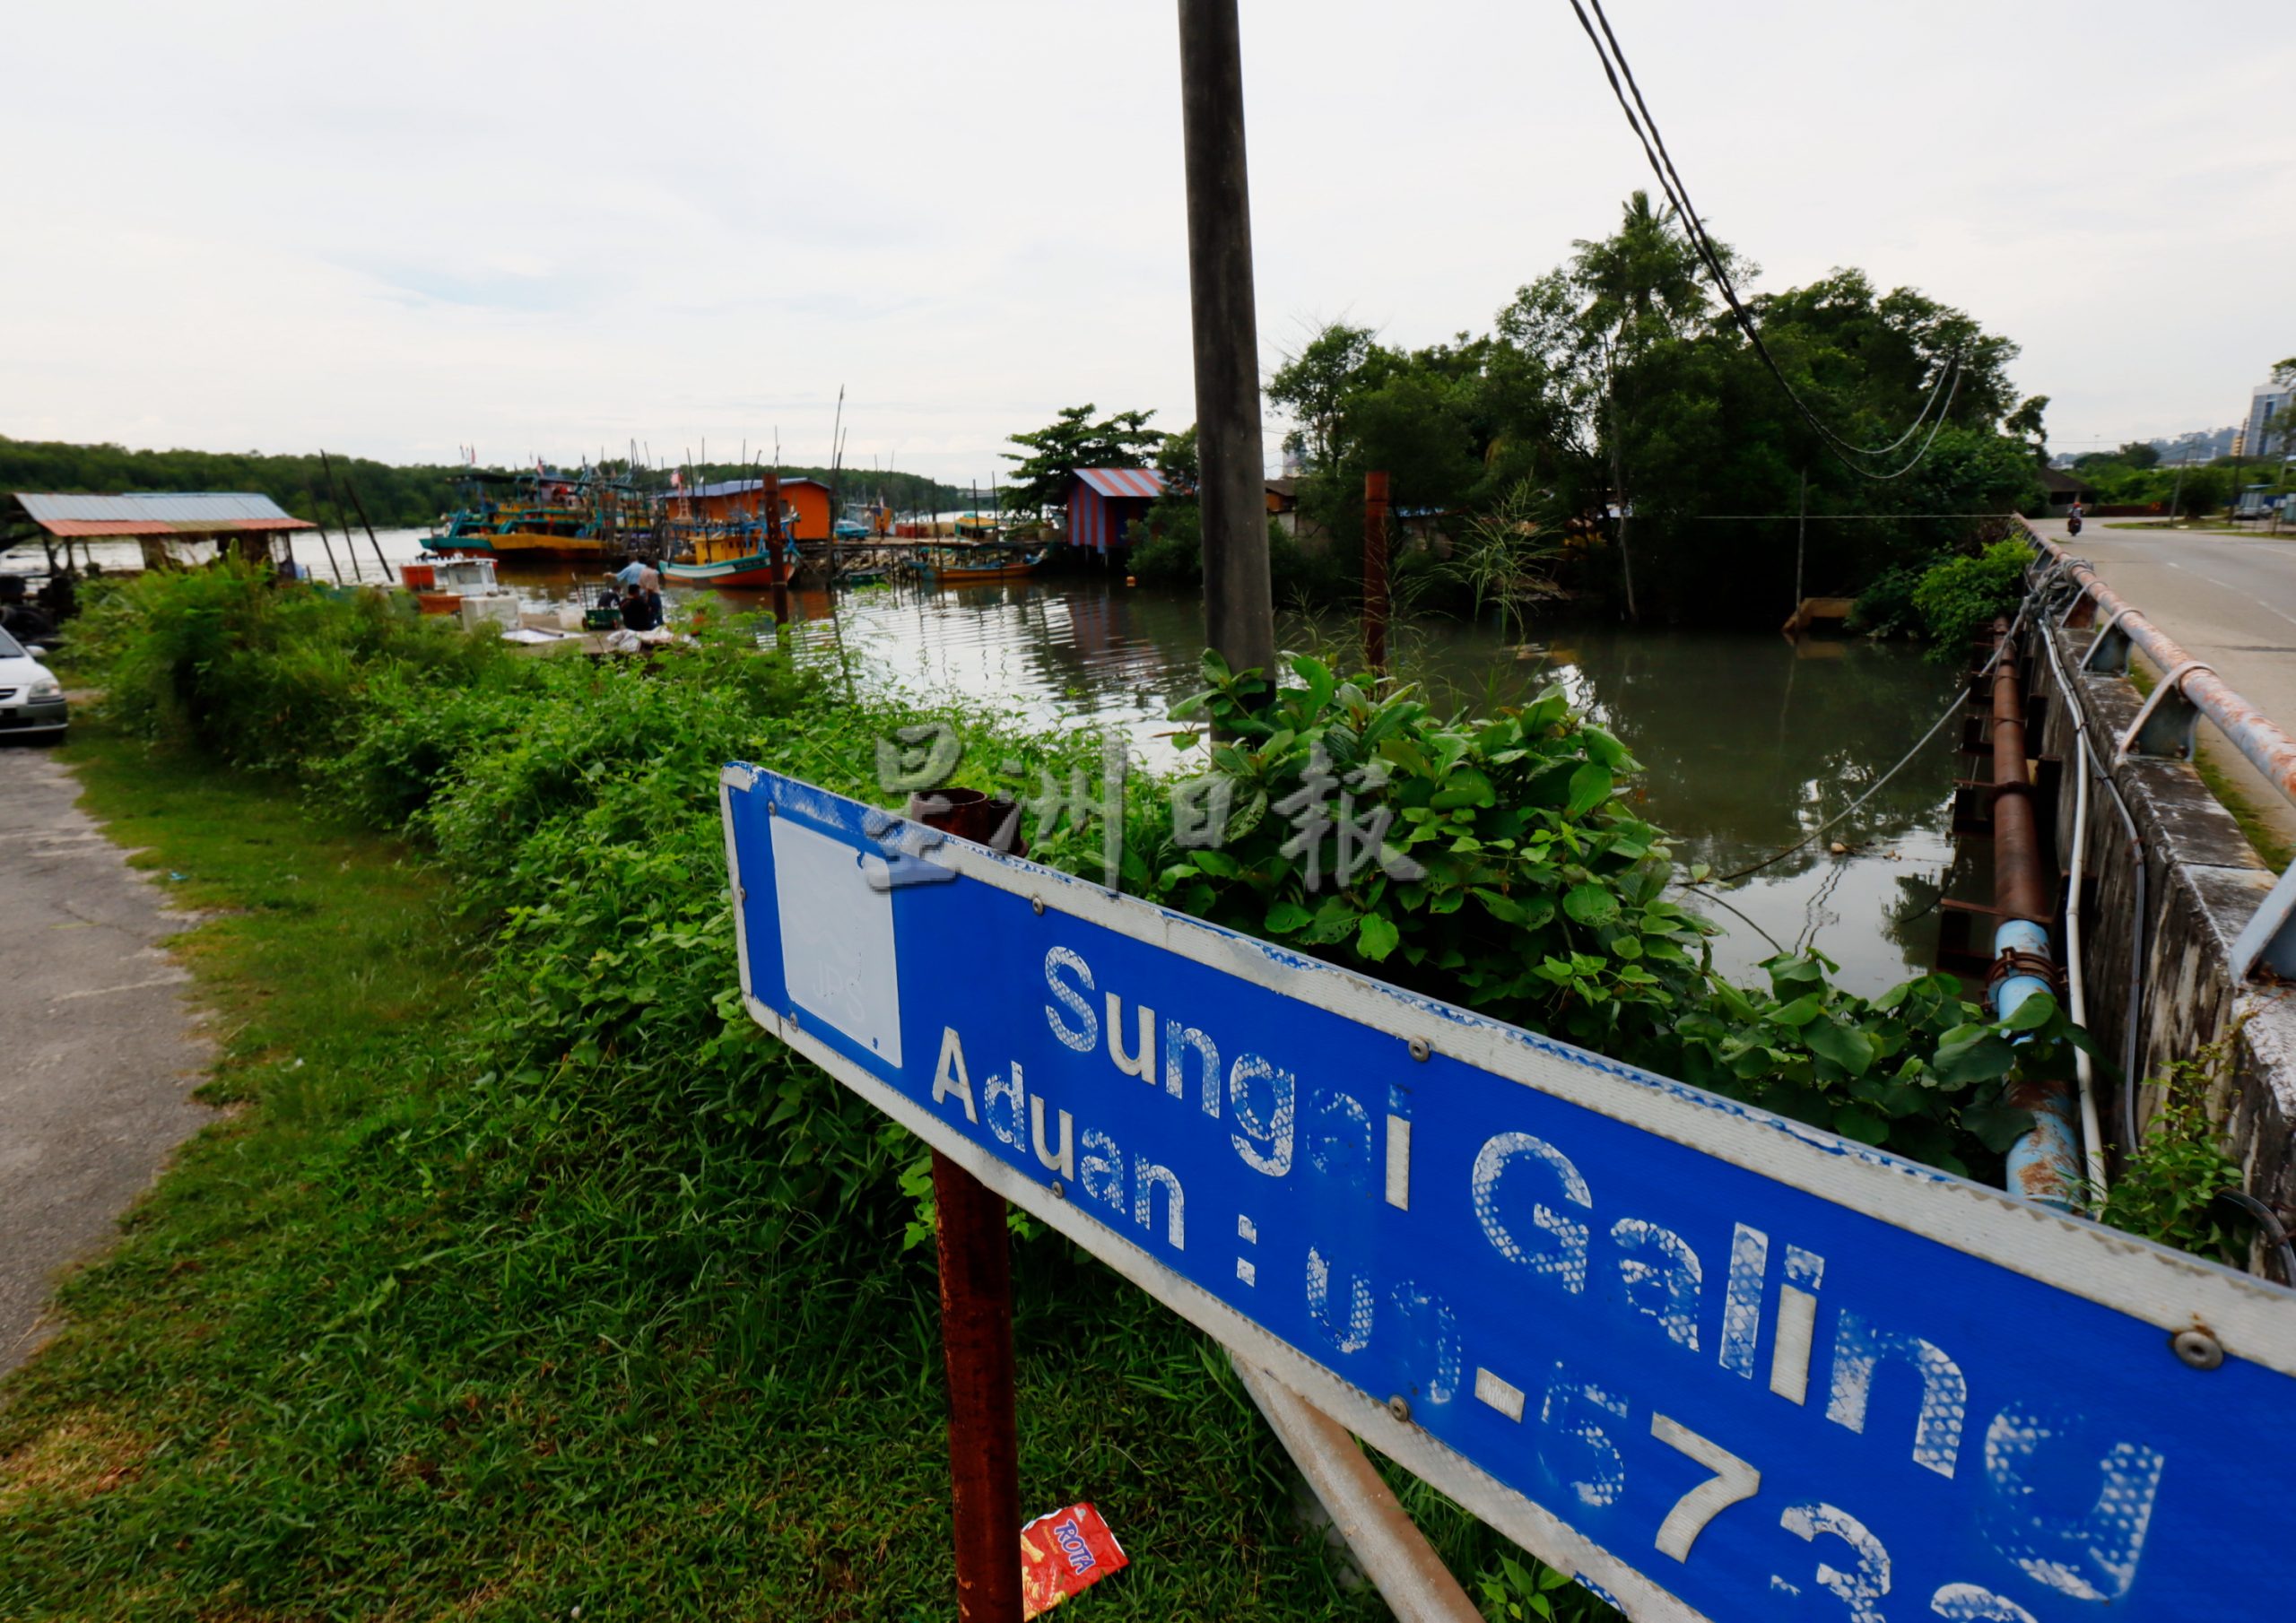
{"x":1139,"y":484}
{"x":164,"y":513}
{"x":743,"y":487}
{"x":146,"y":527}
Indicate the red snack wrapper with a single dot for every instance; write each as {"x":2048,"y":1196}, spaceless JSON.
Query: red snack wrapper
{"x":1062,"y":1554}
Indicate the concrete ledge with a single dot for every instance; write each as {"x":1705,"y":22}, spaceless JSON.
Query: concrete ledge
{"x":2202,"y":882}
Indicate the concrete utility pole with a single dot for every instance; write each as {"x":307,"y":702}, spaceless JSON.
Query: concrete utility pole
{"x":1239,"y":615}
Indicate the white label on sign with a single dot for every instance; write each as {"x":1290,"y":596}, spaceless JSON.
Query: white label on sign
{"x":837,"y":939}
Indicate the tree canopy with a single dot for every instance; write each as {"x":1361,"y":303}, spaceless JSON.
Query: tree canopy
{"x":1072,"y":440}
{"x":1618,"y":384}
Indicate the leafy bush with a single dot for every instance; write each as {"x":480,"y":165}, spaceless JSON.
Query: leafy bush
{"x":2168,"y":1187}
{"x":261,"y":675}
{"x":1958,"y":598}
{"x":1512,"y":876}
{"x":1173,"y":556}
{"x":1168,"y":560}
{"x":1885,"y":608}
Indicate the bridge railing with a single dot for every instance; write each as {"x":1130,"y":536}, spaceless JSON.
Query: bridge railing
{"x":2166,"y":726}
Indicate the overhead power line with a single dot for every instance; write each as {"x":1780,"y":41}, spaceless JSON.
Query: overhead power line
{"x":1670,"y":183}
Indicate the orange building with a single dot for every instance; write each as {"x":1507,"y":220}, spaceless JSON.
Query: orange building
{"x":805,"y":504}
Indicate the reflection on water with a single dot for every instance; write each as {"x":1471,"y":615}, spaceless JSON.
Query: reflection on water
{"x":1746,"y":743}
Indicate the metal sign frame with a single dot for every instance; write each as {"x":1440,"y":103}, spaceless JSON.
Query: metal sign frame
{"x":2214,"y":1311}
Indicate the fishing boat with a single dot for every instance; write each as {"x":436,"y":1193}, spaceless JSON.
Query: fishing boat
{"x":463,"y":586}
{"x":968,"y":566}
{"x":543,"y":515}
{"x":752,"y":544}
{"x":738,"y":557}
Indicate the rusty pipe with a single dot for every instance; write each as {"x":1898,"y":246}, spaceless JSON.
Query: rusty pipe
{"x":2044,"y":1165}
{"x":2020,"y":887}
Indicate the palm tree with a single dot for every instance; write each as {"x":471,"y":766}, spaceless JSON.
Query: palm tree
{"x":1642,"y":287}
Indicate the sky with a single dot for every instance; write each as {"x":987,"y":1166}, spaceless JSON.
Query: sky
{"x":554,"y":229}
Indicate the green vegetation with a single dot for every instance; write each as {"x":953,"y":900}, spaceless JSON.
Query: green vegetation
{"x":2273,"y":851}
{"x":2167,"y":1188}
{"x":2263,"y":836}
{"x":1616,"y":383}
{"x":1541,"y":898}
{"x":1050,"y":456}
{"x":1958,"y":598}
{"x":531,"y":1274}
{"x":393,"y":496}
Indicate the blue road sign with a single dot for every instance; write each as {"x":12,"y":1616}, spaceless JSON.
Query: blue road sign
{"x":1715,"y":1363}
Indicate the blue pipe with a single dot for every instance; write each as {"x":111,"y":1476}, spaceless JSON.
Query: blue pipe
{"x":2045,"y":1163}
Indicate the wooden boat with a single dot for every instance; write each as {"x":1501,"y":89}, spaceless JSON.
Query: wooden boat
{"x":740,"y":554}
{"x":750,"y":569}
{"x":540,"y":515}
{"x":961,"y":567}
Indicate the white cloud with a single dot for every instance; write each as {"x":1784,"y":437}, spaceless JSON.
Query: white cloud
{"x":554,"y":229}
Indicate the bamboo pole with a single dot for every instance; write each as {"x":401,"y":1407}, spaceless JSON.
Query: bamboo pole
{"x":364,"y":523}
{"x":320,"y":521}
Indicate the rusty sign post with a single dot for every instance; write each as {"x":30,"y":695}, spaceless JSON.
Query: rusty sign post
{"x":977,"y":1347}
{"x":976,"y":1265}
{"x":1375,"y":570}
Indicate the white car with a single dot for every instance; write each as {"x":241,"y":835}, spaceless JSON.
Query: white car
{"x":31,"y":700}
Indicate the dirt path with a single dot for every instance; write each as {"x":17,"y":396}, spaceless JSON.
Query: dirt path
{"x":99,"y":1052}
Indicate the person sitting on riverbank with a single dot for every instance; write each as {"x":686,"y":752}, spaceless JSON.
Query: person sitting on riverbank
{"x":24,"y":622}
{"x":640,"y":611}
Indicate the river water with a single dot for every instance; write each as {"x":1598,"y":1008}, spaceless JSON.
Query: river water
{"x":1748,"y":741}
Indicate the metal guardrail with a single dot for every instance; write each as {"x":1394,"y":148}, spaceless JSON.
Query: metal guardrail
{"x":2165,"y":726}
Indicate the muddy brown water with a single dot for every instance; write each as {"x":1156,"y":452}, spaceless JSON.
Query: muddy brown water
{"x":1747,"y":741}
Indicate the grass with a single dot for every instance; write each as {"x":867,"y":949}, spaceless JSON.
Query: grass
{"x":360,"y":1355}
{"x":2264,"y":838}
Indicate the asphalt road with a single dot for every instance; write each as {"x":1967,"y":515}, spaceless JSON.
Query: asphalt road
{"x":99,"y":1052}
{"x":2228,"y":600}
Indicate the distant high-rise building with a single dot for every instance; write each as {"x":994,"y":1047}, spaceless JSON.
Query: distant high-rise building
{"x":2202,"y":444}
{"x":2264,"y":401}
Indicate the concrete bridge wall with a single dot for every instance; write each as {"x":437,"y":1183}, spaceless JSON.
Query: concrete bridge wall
{"x":2202,"y":883}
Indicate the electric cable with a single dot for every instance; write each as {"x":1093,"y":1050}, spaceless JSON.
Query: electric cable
{"x":1716,"y":896}
{"x":1662,"y":165}
{"x":2275,"y":1235}
{"x":1677,"y":192}
{"x":1960,"y":701}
